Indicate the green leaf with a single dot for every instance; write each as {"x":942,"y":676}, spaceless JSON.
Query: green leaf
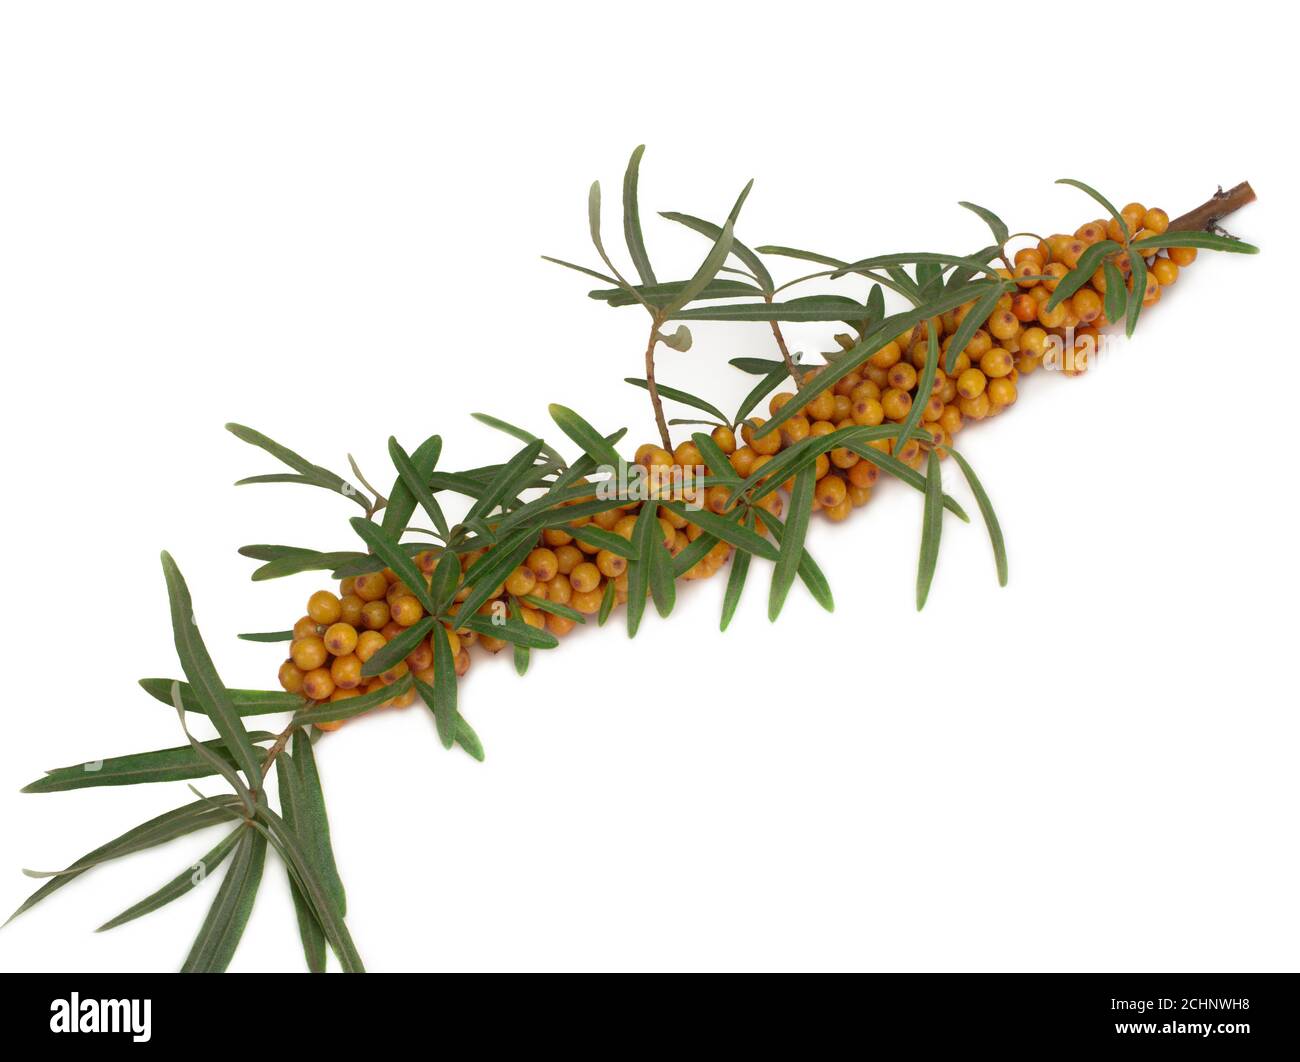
{"x":291,"y":849}
{"x":990,"y":517}
{"x":758,"y":366}
{"x":931,"y":530}
{"x":267,"y":636}
{"x":1110,"y":207}
{"x":683,"y":397}
{"x":607,"y":604}
{"x":512,"y":630}
{"x":662,"y":294}
{"x":693,"y":554}
{"x":760,"y":391}
{"x":512,"y":477}
{"x":166,"y":827}
{"x":996,"y":225}
{"x":876,"y":303}
{"x":333,"y":711}
{"x":810,"y":573}
{"x":736,"y":579}
{"x":580,"y":269}
{"x":796,"y":530}
{"x":924,"y":387}
{"x":1082,"y":273}
{"x":313,"y":819}
{"x":309,"y":929}
{"x":163,"y":765}
{"x":267,"y":553}
{"x":1137,"y":294}
{"x":203,"y":677}
{"x":398,"y":649}
{"x":644,"y":533}
{"x":412,"y":487}
{"x":712,"y":231}
{"x":467,"y":739}
{"x":519,"y":433}
{"x":890,"y":464}
{"x":663,"y":589}
{"x":708,"y":270}
{"x":554,"y":608}
{"x":391,"y":553}
{"x":490,"y":570}
{"x":221,"y":931}
{"x":808,"y":308}
{"x":311,"y":474}
{"x":1208,"y":241}
{"x":632,"y":219}
{"x":728,"y":529}
{"x":970,"y":324}
{"x":588,"y":438}
{"x":246,"y":702}
{"x":1116,"y":292}
{"x":714,"y":459}
{"x":596,"y":536}
{"x":304,"y":562}
{"x":192,"y":876}
{"x":443,"y":688}
{"x":804,"y":256}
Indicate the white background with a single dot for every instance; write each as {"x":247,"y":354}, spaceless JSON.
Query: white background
{"x":325,"y":220}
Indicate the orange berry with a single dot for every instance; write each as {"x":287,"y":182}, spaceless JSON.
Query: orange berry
{"x":370,"y":587}
{"x":375,"y":615}
{"x":1086,"y":304}
{"x":1181,"y":256}
{"x":317,"y":685}
{"x":290,"y":677}
{"x":341,"y":638}
{"x":585,"y":577}
{"x":1165,"y":270}
{"x":345,"y":672}
{"x":368,"y":644}
{"x":971,"y":383}
{"x":309,"y":653}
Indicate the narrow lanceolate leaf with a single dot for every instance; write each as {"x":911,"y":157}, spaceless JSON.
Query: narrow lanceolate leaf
{"x":607,"y":603}
{"x":704,"y":276}
{"x":736,"y":580}
{"x":580,"y":269}
{"x":1082,"y":273}
{"x":923,"y":388}
{"x":891,"y":465}
{"x":1110,"y":207}
{"x":467,"y":739}
{"x":512,"y":630}
{"x":444,"y":687}
{"x":760,"y":391}
{"x":593,"y":222}
{"x":996,"y":225}
{"x":662,"y":294}
{"x":221,"y":931}
{"x":588,"y":438}
{"x":513,"y":476}
{"x":632,"y":219}
{"x":315,"y":822}
{"x":554,"y":608}
{"x":164,"y":765}
{"x":412,"y":487}
{"x":333,"y":711}
{"x":309,"y":930}
{"x":398,"y":649}
{"x":707,"y":228}
{"x":714,"y":459}
{"x":291,"y":848}
{"x":683,"y":397}
{"x":189,"y":878}
{"x":970,"y":324}
{"x":305,"y":562}
{"x":490,"y":570}
{"x":522,"y":659}
{"x":1207,"y":241}
{"x":876,"y":304}
{"x":811,"y":308}
{"x":1138,"y":293}
{"x":306,"y":472}
{"x":203,"y":677}
{"x":693,"y":554}
{"x":160,"y":830}
{"x":522,"y":434}
{"x":931,"y":530}
{"x":728,"y":529}
{"x":246,"y":702}
{"x":1116,"y":294}
{"x":596,"y":536}
{"x":663,"y":589}
{"x":796,"y":530}
{"x":267,"y":636}
{"x":644,"y":533}
{"x":391,"y":553}
{"x":990,"y":517}
{"x":266,"y":552}
{"x":810,"y":572}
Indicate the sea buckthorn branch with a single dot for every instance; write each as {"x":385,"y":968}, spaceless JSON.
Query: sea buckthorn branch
{"x":545,"y":545}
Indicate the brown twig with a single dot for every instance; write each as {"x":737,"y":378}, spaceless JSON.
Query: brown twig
{"x":1219,"y":205}
{"x":653,"y":388}
{"x":785,"y":351}
{"x":279,"y":746}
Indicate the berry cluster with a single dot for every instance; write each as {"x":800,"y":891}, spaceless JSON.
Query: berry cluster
{"x":342,"y":631}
